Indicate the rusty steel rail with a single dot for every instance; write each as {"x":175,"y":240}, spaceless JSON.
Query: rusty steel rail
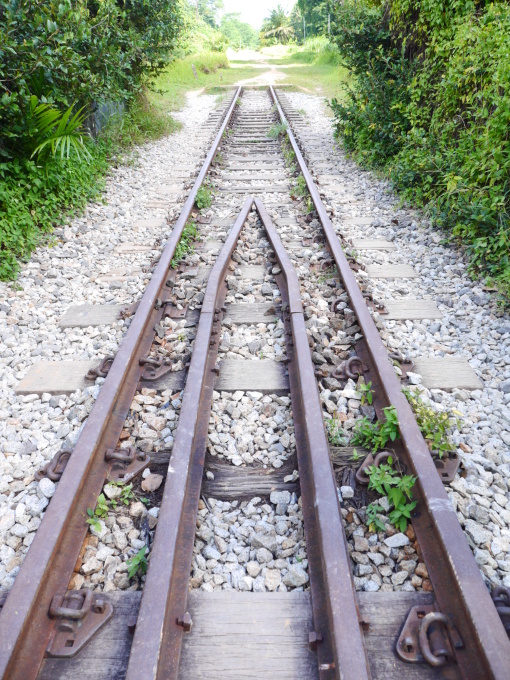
{"x":155,"y":652}
{"x":336,"y":613}
{"x":458,"y":585}
{"x":25,"y":625}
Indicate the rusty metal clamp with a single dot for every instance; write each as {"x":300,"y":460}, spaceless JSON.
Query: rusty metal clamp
{"x":428,"y":636}
{"x":125,"y":464}
{"x":55,"y":468}
{"x":83,"y":598}
{"x":101,"y":371}
{"x":150,"y":361}
{"x":334,"y":305}
{"x":442,"y":652}
{"x":361,"y":475}
{"x":501,"y":598}
{"x":326,"y":264}
{"x":126,"y":455}
{"x":78,"y":622}
{"x":352,"y":368}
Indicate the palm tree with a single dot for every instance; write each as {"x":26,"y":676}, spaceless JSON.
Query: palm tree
{"x":277,"y":26}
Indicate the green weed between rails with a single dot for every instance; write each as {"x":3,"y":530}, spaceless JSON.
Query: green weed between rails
{"x":375,"y":436}
{"x":336,"y":435}
{"x":100,"y":512}
{"x":204,"y":198}
{"x":397,"y":488}
{"x":367,"y":394}
{"x":186,"y":244}
{"x":435,"y":425}
{"x":277,"y":130}
{"x":137,"y":562}
{"x":103,"y":504}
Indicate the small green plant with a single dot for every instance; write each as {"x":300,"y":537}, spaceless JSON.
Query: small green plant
{"x":138,"y":561}
{"x":336,"y":435}
{"x":185,"y":245}
{"x":367,"y":394}
{"x":126,"y":495}
{"x":375,"y":436}
{"x":355,"y":456}
{"x":203,"y":198}
{"x":300,"y":189}
{"x":434,"y":425}
{"x":398,"y":490}
{"x":288,"y":154}
{"x":374,"y":522}
{"x":144,"y":500}
{"x":100,"y":512}
{"x":53,"y":130}
{"x":276,"y":130}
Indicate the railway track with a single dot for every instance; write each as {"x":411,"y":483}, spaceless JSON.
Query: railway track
{"x":306,"y":620}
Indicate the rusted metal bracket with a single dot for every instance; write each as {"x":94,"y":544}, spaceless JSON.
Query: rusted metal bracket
{"x":447,"y":467}
{"x":79,"y":614}
{"x":155,"y":368}
{"x":375,"y":305}
{"x":428,"y":636}
{"x":352,"y":368}
{"x":501,"y":598}
{"x":126,"y":464}
{"x":185,"y":621}
{"x":101,"y":370}
{"x":404,"y":364}
{"x":314,"y":639}
{"x":55,"y":468}
{"x":361,"y":475}
{"x":171,"y":311}
{"x":128,"y":310}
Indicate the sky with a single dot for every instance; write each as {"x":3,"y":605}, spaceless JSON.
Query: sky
{"x":253,"y":12}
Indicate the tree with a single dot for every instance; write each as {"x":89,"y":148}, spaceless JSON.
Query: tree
{"x":238,"y":33}
{"x":277,"y":27}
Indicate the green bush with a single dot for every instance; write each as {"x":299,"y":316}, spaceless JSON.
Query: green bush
{"x":35,"y":197}
{"x":430,"y":105}
{"x":56,"y":58}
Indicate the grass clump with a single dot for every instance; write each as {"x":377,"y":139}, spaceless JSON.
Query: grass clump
{"x":204,"y":198}
{"x":186,"y":244}
{"x":375,"y":436}
{"x":435,"y":426}
{"x":397,"y":488}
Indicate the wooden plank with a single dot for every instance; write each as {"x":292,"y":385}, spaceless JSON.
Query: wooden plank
{"x":149,"y":223}
{"x":175,"y":381}
{"x":56,"y":377}
{"x":257,"y":312}
{"x":118,"y":275}
{"x":262,"y":375}
{"x":373,"y":243}
{"x":411,"y":309}
{"x":391,"y":271}
{"x":127,"y":248}
{"x":82,"y":316}
{"x":233,"y":483}
{"x":387,"y":613}
{"x":248,"y":635}
{"x":447,"y":373}
{"x":106,"y":655}
{"x":169,"y":190}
